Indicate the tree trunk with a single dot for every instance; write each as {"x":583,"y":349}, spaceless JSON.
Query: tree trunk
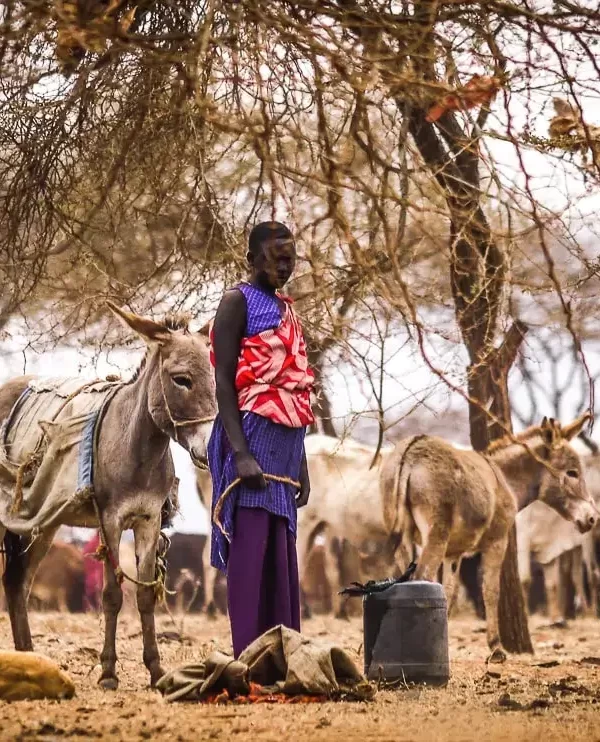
{"x":488,"y":388}
{"x":477,"y":273}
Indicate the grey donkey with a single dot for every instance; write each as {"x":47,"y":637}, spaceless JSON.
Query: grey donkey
{"x":170,"y":396}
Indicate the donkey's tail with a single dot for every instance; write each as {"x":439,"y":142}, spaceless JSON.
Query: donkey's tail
{"x":394,"y":479}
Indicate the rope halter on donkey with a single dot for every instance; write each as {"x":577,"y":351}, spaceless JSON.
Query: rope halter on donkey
{"x":177,"y":423}
{"x":104,"y":554}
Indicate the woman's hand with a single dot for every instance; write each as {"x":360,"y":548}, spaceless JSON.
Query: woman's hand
{"x":249,"y":471}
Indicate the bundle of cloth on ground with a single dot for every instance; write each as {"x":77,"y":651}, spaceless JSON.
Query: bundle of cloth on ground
{"x":280,"y":666}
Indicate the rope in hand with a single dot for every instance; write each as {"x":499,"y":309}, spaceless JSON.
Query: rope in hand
{"x":233,"y":485}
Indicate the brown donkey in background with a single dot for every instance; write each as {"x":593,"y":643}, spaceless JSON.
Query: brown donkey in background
{"x":455,"y":502}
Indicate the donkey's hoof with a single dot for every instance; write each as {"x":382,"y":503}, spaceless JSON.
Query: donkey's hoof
{"x":109,"y":683}
{"x":561,"y":623}
{"x":497,"y":657}
{"x":155,"y":676}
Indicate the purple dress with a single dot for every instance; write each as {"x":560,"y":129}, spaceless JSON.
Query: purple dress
{"x":260,"y":561}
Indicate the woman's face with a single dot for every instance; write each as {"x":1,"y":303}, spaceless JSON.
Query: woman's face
{"x":275,"y":263}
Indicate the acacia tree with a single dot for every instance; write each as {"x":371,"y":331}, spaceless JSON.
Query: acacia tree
{"x":351,"y":117}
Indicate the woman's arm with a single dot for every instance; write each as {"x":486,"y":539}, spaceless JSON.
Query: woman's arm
{"x":228,"y":332}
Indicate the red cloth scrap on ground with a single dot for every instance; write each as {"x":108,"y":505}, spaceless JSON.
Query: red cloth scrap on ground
{"x":259,"y":695}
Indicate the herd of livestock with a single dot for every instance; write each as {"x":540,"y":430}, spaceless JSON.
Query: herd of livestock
{"x":96,"y":454}
{"x":341,"y":538}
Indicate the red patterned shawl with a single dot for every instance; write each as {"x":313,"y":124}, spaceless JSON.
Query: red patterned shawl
{"x":273,"y":378}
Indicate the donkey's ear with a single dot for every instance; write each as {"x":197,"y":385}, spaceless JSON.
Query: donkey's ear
{"x":150,"y":330}
{"x":205,"y":330}
{"x":551,"y":432}
{"x":570,"y":431}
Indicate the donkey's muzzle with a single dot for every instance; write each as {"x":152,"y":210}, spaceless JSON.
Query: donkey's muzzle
{"x":195,"y":440}
{"x":586,"y":524}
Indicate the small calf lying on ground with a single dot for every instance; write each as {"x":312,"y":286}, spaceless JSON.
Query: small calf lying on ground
{"x":30,"y":676}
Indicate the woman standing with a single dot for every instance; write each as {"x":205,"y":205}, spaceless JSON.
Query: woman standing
{"x":263,"y":394}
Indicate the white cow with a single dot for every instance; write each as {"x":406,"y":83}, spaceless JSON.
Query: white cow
{"x":345,"y":504}
{"x":543,"y":533}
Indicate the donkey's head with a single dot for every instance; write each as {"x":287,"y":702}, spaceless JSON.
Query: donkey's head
{"x":178,"y":380}
{"x":564,"y":488}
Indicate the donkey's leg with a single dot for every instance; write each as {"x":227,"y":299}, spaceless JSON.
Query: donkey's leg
{"x":492,"y":557}
{"x":403,"y":555}
{"x":14,"y":590}
{"x":304,"y":541}
{"x":552,"y":579}
{"x":21,"y":566}
{"x":451,"y":581}
{"x":305,"y":609}
{"x":183,"y":603}
{"x":178,"y":588}
{"x":3,"y":606}
{"x":524,"y":567}
{"x":62,"y":602}
{"x":112,"y":600}
{"x":434,"y":549}
{"x":35,"y":553}
{"x":147,"y":533}
{"x":591,"y":568}
{"x":210,"y":580}
{"x":333,"y":570}
{"x":581,"y":602}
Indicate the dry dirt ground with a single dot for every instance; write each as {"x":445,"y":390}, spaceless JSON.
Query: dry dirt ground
{"x":554,"y":695}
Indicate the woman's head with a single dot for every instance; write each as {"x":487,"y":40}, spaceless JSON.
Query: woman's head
{"x":271,"y":254}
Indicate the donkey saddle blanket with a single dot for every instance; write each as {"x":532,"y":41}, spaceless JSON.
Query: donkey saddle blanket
{"x":47,"y":449}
